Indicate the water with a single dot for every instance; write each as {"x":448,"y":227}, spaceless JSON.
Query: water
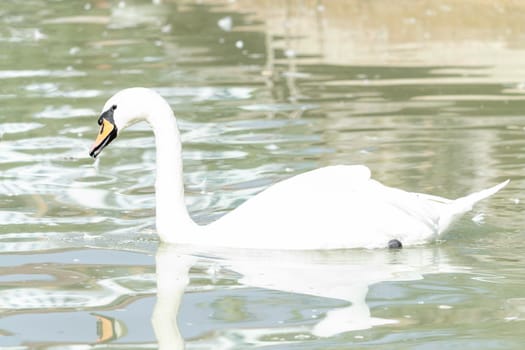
{"x":429,"y":96}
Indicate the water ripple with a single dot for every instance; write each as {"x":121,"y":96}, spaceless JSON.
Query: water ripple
{"x":15,"y":74}
{"x":14,"y":128}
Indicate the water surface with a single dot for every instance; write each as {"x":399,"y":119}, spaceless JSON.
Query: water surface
{"x":427,"y":95}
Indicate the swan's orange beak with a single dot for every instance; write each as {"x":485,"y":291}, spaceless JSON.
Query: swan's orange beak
{"x":107,"y":133}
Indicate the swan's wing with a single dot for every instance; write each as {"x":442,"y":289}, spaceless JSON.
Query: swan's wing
{"x":410,"y":217}
{"x":331,"y":207}
{"x":307,"y":188}
{"x":337,"y":207}
{"x":433,"y":199}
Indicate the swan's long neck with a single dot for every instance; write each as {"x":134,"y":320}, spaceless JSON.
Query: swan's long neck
{"x":174,"y":224}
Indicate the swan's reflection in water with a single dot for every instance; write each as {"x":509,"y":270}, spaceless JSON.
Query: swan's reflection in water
{"x":341,"y":275}
{"x":172,"y":278}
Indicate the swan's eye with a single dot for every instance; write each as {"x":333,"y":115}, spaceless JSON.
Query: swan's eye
{"x":99,"y":121}
{"x":114,"y":107}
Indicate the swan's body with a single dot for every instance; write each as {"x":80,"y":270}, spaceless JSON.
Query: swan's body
{"x":328,"y":208}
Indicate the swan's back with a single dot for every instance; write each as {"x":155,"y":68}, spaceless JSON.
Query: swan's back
{"x":331,"y":207}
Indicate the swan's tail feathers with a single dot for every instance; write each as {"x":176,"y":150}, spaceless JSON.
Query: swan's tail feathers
{"x":460,"y":206}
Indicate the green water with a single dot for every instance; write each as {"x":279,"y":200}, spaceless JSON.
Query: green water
{"x":428,"y":95}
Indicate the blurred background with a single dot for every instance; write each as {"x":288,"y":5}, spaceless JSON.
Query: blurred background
{"x":428,"y":94}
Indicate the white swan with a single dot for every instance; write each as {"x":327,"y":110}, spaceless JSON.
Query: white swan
{"x":333,"y":207}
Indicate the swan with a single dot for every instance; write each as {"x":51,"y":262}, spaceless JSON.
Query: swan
{"x":334,"y":207}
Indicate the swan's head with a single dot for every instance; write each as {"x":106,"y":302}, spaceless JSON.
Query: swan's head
{"x":123,"y":109}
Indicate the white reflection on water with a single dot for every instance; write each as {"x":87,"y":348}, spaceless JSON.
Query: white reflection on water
{"x":12,"y":74}
{"x":29,"y":242}
{"x":104,"y":294}
{"x":14,"y":128}
{"x":339,"y":275}
{"x":207,"y":93}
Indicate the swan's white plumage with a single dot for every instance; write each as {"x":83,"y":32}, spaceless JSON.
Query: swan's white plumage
{"x":342,"y":207}
{"x":328,"y":208}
